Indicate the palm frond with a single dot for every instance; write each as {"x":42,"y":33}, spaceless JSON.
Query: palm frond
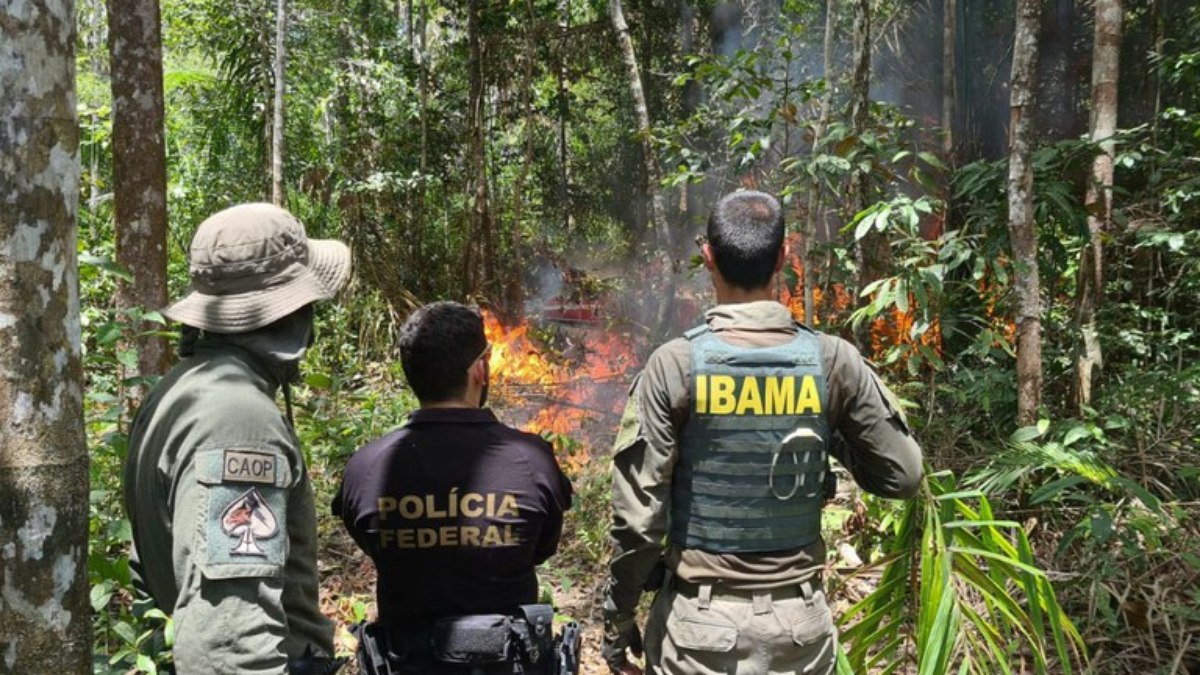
{"x":960,"y":591}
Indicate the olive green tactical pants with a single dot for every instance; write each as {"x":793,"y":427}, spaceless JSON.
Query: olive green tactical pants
{"x":702,"y":631}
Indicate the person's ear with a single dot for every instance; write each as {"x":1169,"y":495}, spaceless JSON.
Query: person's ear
{"x":710,"y":263}
{"x":785,"y":252}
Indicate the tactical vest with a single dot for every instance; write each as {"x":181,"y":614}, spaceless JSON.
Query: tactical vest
{"x":753,"y":452}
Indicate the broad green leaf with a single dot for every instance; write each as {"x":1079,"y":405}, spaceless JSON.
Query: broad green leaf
{"x":1053,"y":488}
{"x":125,"y":631}
{"x":973,"y":524}
{"x":100,"y":595}
{"x":1076,"y":433}
{"x":108,"y":334}
{"x":1133,"y":487}
{"x":932,"y":160}
{"x":1025,"y":434}
{"x":318,"y":380}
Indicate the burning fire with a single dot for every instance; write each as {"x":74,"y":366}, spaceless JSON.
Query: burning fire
{"x":828,"y":305}
{"x":832,"y":305}
{"x":897,"y":330}
{"x":562,"y":394}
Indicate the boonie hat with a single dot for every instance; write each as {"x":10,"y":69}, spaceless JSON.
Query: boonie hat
{"x":251,"y":265}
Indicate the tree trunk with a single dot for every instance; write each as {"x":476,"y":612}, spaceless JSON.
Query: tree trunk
{"x":515,"y":285}
{"x":1021,"y":226}
{"x":478,"y":256}
{"x":641,"y":114}
{"x":564,"y":115}
{"x":45,"y":614}
{"x":809,"y":236}
{"x":871,"y":252}
{"x":277,"y":194}
{"x":860,"y":85}
{"x":95,"y":38}
{"x":1106,"y":53}
{"x":418,"y":225}
{"x":949,"y":85}
{"x":140,"y":170}
{"x":266,"y":49}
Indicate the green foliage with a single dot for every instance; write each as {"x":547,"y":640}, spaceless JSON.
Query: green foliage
{"x":376,"y":155}
{"x":585,"y":540}
{"x":1117,"y":533}
{"x":928,"y":278}
{"x":960,"y":590}
{"x":128,"y":638}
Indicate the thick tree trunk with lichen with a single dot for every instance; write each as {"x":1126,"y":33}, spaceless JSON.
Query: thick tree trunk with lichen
{"x":45,"y":617}
{"x":658,"y":206}
{"x":140,"y":169}
{"x":1021,"y":226}
{"x":860,"y":81}
{"x":1106,"y":55}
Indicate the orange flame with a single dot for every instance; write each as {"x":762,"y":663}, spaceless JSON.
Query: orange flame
{"x":1003,"y":327}
{"x":515,"y":358}
{"x":887,"y":332}
{"x":833,"y":304}
{"x":829,"y":305}
{"x":568,"y":389}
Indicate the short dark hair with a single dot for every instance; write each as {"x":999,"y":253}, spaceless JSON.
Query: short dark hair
{"x":438,"y":343}
{"x":745,"y":232}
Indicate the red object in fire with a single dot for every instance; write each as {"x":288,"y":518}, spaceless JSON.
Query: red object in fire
{"x":572,"y":312}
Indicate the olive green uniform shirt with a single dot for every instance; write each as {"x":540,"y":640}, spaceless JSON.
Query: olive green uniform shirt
{"x":871,"y":440}
{"x":224,"y":522}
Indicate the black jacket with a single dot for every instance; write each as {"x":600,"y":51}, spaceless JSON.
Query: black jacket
{"x":456,"y":510}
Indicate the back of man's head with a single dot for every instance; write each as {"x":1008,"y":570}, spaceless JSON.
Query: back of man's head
{"x":745,"y":232}
{"x":438,"y":343}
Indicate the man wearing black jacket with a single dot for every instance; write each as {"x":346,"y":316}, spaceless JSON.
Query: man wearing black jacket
{"x":456,"y":510}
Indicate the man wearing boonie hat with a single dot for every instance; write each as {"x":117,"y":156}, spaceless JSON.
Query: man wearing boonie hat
{"x":224,"y":522}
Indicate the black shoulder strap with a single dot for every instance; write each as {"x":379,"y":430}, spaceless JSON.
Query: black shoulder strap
{"x":801,"y":327}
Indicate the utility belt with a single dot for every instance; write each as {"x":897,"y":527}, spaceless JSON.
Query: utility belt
{"x":806,"y":589}
{"x":489,"y":644}
{"x":308,"y":663}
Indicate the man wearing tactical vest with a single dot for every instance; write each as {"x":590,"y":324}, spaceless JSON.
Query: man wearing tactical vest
{"x":720,"y":472}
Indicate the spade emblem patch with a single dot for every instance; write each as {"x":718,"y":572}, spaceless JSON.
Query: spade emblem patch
{"x":249,"y":519}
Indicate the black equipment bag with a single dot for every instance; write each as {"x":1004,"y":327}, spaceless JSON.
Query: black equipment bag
{"x":474,"y":639}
